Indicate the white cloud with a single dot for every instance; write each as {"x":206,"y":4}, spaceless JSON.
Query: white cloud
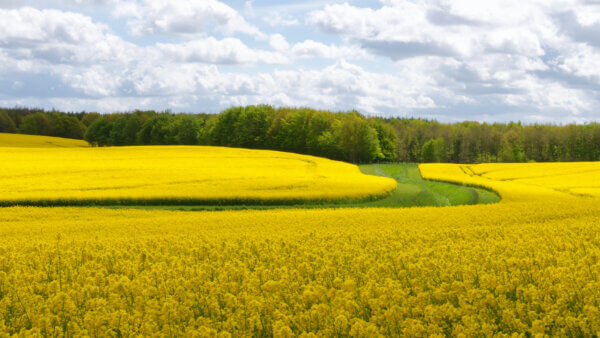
{"x":226,"y":51}
{"x":28,"y":25}
{"x":188,"y":18}
{"x":85,"y":2}
{"x":278,"y":42}
{"x":340,"y":86}
{"x":522,"y":54}
{"x":453,"y":60}
{"x":275,"y":19}
{"x":314,"y":49}
{"x":57,"y":37}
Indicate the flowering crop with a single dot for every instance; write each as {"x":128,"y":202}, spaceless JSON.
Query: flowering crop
{"x":523,"y":181}
{"x":35,"y":141}
{"x":178,"y":175}
{"x":528,"y":265}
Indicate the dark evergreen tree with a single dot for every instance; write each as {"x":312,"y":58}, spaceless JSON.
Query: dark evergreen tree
{"x":7,"y":125}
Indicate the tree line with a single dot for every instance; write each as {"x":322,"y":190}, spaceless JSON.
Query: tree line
{"x":347,"y":136}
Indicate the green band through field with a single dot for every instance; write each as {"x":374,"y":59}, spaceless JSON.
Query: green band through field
{"x":412,"y":191}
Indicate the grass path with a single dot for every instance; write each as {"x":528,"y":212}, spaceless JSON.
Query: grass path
{"x":412,"y":191}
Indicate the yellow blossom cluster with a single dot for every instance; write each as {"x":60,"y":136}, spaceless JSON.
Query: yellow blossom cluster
{"x":528,"y":265}
{"x":178,"y":175}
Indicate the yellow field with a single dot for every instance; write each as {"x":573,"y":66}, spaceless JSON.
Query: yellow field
{"x":527,"y":265}
{"x":35,"y":141}
{"x":518,"y":181}
{"x":177,"y":175}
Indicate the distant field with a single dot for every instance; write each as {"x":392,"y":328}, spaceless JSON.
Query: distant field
{"x":412,"y":191}
{"x":163,"y":175}
{"x":524,"y":181}
{"x":34,"y":141}
{"x":208,"y":178}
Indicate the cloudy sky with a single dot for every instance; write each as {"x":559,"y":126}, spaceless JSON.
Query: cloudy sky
{"x":452,"y":60}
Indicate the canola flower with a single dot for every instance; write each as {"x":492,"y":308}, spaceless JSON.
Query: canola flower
{"x":178,"y":175}
{"x":485,"y":269}
{"x":527,"y":266}
{"x":523,"y":181}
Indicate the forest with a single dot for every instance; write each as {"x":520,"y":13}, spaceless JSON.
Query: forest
{"x":347,"y":136}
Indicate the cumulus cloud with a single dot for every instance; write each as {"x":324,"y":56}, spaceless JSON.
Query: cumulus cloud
{"x":278,"y":42}
{"x":226,"y":51}
{"x":446,"y":59}
{"x":314,"y":49}
{"x":183,"y":18}
{"x":275,"y":19}
{"x":341,"y":85}
{"x":28,"y":25}
{"x":508,"y":53}
{"x":57,"y":37}
{"x":55,"y":54}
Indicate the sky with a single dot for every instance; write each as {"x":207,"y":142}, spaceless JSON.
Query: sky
{"x":449,"y":60}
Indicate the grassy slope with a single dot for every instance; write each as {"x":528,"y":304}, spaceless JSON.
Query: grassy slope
{"x":35,"y":141}
{"x":412,"y":191}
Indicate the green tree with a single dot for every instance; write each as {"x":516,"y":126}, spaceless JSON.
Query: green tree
{"x":433,"y":151}
{"x":329,"y":142}
{"x":7,"y":125}
{"x":388,"y":141}
{"x":156,"y":130}
{"x":124,"y":130}
{"x":184,"y":129}
{"x":98,"y":133}
{"x":89,"y":118}
{"x":512,"y":147}
{"x":288,"y":130}
{"x":359,"y":140}
{"x":205,"y":133}
{"x":319,"y":123}
{"x":67,"y":126}
{"x":36,"y":124}
{"x":220,"y":133}
{"x":251,"y":126}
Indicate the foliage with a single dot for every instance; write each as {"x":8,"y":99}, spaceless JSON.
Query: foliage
{"x":67,"y":126}
{"x":156,"y":131}
{"x":36,"y":124}
{"x":6,"y":123}
{"x":433,"y":151}
{"x":99,"y":133}
{"x":124,"y":129}
{"x":388,"y":140}
{"x":346,"y":136}
{"x":52,"y":124}
{"x":359,"y":141}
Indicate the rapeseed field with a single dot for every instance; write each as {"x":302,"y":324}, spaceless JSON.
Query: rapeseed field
{"x":528,"y":265}
{"x":523,"y":182}
{"x":36,"y":141}
{"x":162,"y":175}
